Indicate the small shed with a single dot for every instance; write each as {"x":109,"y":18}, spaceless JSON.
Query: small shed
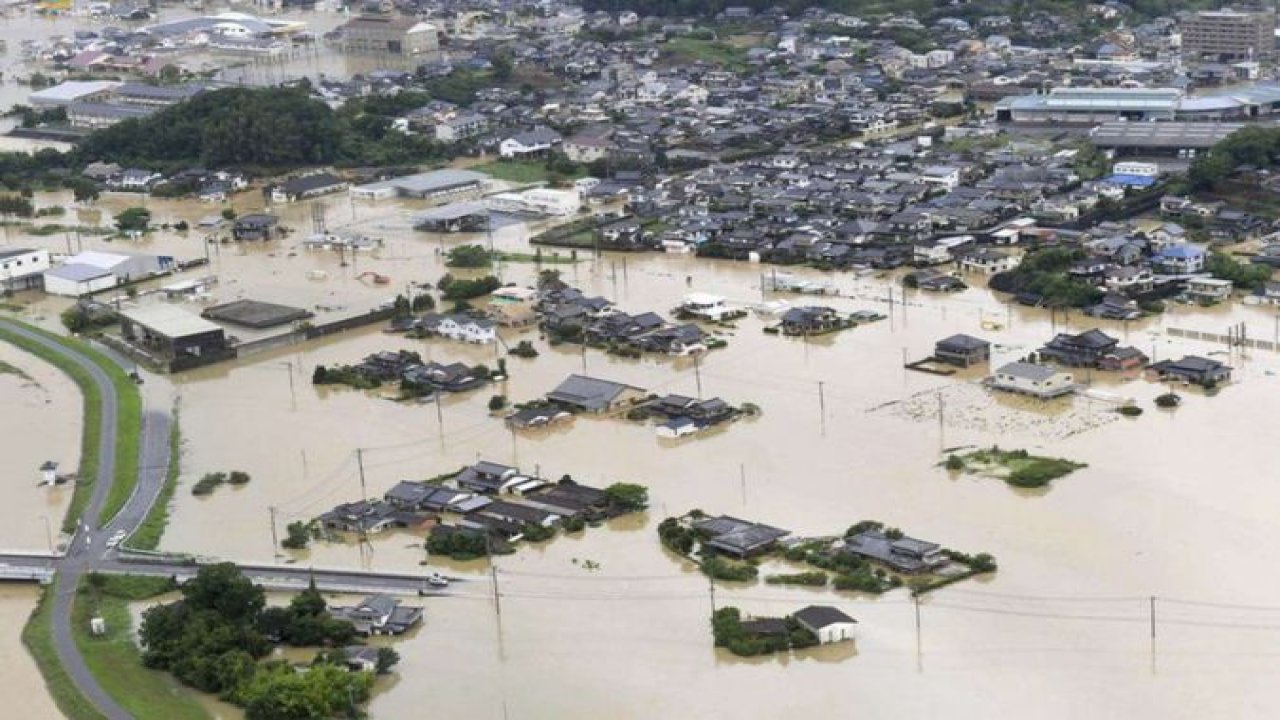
{"x":827,"y":623}
{"x":171,"y":332}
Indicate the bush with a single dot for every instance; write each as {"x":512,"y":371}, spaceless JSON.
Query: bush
{"x":676,"y":537}
{"x":538,"y":533}
{"x":954,"y":463}
{"x":497,"y":402}
{"x":524,"y":349}
{"x":468,"y":256}
{"x":1168,"y":400}
{"x":238,"y":477}
{"x":1129,"y":410}
{"x":575,"y":524}
{"x":299,"y":536}
{"x":207,"y":484}
{"x":731,"y":570}
{"x":627,"y":497}
{"x":807,"y":579}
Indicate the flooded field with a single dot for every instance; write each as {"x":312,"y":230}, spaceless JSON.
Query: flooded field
{"x":1173,"y":504}
{"x":26,"y":696}
{"x":41,"y":422}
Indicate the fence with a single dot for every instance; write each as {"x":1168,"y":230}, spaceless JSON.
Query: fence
{"x":1230,"y":340}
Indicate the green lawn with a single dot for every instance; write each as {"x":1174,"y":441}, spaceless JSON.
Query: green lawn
{"x":714,"y":52}
{"x":114,"y":658}
{"x":37,"y":636}
{"x":523,"y":171}
{"x":128,"y":422}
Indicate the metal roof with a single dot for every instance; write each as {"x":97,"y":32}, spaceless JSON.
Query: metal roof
{"x":170,"y":321}
{"x":1162,"y":134}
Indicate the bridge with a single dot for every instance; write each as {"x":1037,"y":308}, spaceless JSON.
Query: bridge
{"x":39,"y":567}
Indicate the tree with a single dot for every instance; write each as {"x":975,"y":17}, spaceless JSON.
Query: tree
{"x":134,"y":219}
{"x":228,"y":214}
{"x":320,"y":375}
{"x":627,"y":497}
{"x":468,"y":256}
{"x":225,"y":590}
{"x":387,"y":659}
{"x":299,"y":536}
{"x":497,"y":402}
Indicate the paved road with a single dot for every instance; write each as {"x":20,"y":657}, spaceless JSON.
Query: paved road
{"x":85,"y":548}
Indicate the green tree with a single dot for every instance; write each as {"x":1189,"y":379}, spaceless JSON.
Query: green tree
{"x":628,"y":497}
{"x":387,"y":659}
{"x":468,"y":256}
{"x":224,"y":589}
{"x":298,"y":535}
{"x":134,"y":219}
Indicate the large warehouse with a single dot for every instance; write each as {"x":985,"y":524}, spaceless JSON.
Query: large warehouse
{"x":1090,"y":106}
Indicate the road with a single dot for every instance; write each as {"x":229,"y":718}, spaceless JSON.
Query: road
{"x":86,"y":548}
{"x":89,"y":549}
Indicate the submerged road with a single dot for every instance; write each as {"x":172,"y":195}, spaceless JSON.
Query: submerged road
{"x":88,"y":550}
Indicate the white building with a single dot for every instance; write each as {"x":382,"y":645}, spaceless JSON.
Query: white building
{"x":92,"y":271}
{"x":538,"y":201}
{"x":528,"y":143}
{"x":1039,"y":381}
{"x":827,"y":623}
{"x":23,"y":268}
{"x":461,"y":327}
{"x":945,"y":176}
{"x":705,"y":306}
{"x":1139,"y":169}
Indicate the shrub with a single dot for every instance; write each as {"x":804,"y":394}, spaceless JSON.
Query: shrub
{"x":807,"y":579}
{"x":497,"y":402}
{"x":734,"y":571}
{"x":954,"y":463}
{"x":524,"y":349}
{"x":207,"y":484}
{"x":238,"y":477}
{"x":627,"y":497}
{"x":575,"y":524}
{"x":1168,"y":400}
{"x":299,"y":536}
{"x":1129,"y":410}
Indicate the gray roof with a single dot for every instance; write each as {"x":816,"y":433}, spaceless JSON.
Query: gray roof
{"x":588,"y":392}
{"x":963,"y":342}
{"x":1027,"y":371}
{"x":77,"y":272}
{"x":820,"y":616}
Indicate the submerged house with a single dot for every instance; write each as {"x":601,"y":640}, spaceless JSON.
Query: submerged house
{"x":1192,"y":369}
{"x":1039,"y":381}
{"x":379,"y":615}
{"x":809,"y":320}
{"x":593,"y":395}
{"x":739,"y":538}
{"x":903,"y":554}
{"x":962,"y":350}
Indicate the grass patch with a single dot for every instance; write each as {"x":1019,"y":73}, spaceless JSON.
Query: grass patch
{"x":685,"y":50}
{"x":807,"y":579}
{"x":540,"y":258}
{"x":523,"y":171}
{"x":128,"y":423}
{"x":114,"y":657}
{"x":37,"y":636}
{"x":1016,"y":467}
{"x":148,"y":534}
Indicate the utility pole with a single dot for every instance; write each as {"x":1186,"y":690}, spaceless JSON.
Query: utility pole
{"x":711,"y":588}
{"x":742,"y":478}
{"x":364,"y":491}
{"x":439,"y":415}
{"x":822,"y":406}
{"x":1152,"y":612}
{"x":584,"y":355}
{"x":915,"y":600}
{"x":697,"y":374}
{"x":942,"y":422}
{"x":293,"y":396}
{"x":275,"y":539}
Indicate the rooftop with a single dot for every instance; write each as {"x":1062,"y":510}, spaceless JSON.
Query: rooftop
{"x":170,"y":320}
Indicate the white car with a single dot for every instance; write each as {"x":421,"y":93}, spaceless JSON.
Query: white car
{"x":116,"y":538}
{"x":437,"y":580}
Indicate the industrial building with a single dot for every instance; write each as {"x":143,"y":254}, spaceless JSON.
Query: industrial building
{"x":170,"y":332}
{"x":1177,"y":139}
{"x":1091,"y":106}
{"x":91,"y":271}
{"x":23,"y":268}
{"x":386,"y":35}
{"x":1226,"y":35}
{"x":434,"y":185}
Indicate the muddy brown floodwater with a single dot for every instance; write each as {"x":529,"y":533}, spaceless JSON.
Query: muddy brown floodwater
{"x":40,"y":422}
{"x":25,"y":695}
{"x":1176,"y":505}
